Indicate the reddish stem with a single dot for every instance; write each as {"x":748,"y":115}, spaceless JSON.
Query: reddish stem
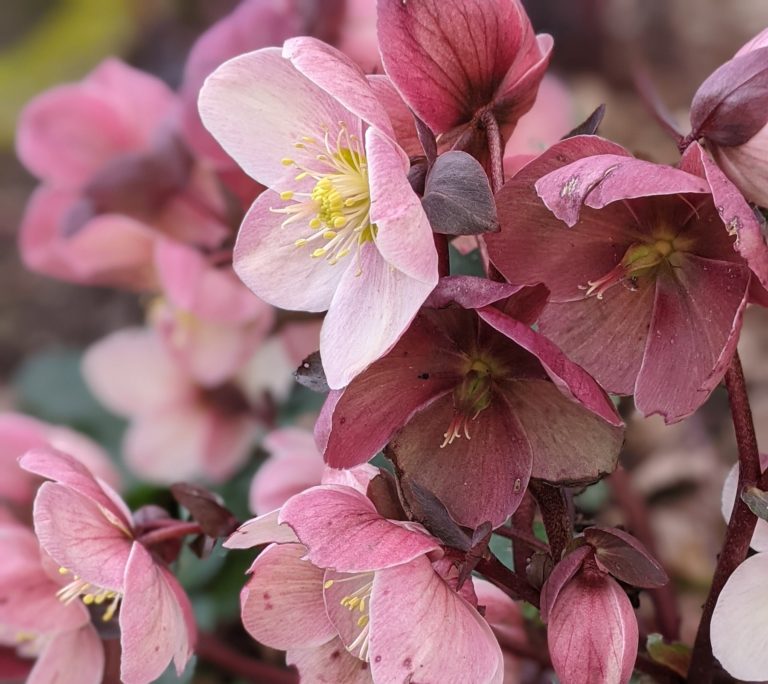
{"x":664,"y":599}
{"x":510,"y":583}
{"x":213,"y":651}
{"x":495,"y":149}
{"x":741,"y":526}
{"x":526,"y":539}
{"x":170,"y":532}
{"x":443,"y":256}
{"x":554,"y":514}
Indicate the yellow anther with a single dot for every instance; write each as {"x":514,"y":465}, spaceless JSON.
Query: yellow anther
{"x":315,"y":223}
{"x":327,"y":584}
{"x":339,"y":222}
{"x":363,"y":621}
{"x":301,"y":176}
{"x":318,"y":253}
{"x":329,"y":234}
{"x":286,"y":161}
{"x":100,"y":599}
{"x":88,"y":599}
{"x":299,"y":146}
{"x":300,"y":242}
{"x":288,"y":194}
{"x":63,"y":571}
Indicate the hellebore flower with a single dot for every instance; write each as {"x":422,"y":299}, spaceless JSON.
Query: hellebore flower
{"x":357,"y":597}
{"x":340,"y":229}
{"x":86,"y":529}
{"x":648,"y":279}
{"x":115,"y":174}
{"x":455,"y":62}
{"x":730,"y":113}
{"x":180,"y":429}
{"x":475,"y":403}
{"x":208,"y":319}
{"x":20,"y":433}
{"x":34,"y":621}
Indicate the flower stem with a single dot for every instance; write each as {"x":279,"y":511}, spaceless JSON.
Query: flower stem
{"x":495,"y":149}
{"x":554,"y":514}
{"x":741,"y":525}
{"x":210,"y":649}
{"x":510,"y":583}
{"x":168,"y":532}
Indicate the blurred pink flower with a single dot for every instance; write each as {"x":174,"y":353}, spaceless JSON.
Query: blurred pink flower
{"x":342,"y":220}
{"x":179,"y":430}
{"x":86,"y":528}
{"x":115,"y":175}
{"x":208,"y":319}
{"x":19,"y":433}
{"x":357,"y":596}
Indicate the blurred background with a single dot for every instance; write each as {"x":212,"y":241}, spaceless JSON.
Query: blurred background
{"x":677,"y":471}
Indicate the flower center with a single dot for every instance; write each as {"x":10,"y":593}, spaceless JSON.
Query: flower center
{"x":641,"y":258}
{"x":91,"y":594}
{"x":337,"y":210}
{"x":470,"y":398}
{"x":358,"y":602}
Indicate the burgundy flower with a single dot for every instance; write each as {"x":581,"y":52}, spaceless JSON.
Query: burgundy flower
{"x":650,"y":276}
{"x":483,"y":401}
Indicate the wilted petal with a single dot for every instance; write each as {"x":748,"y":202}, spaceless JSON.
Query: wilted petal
{"x":698,"y":310}
{"x":738,"y":622}
{"x":282,"y":603}
{"x":422,"y":630}
{"x":343,"y":531}
{"x":156,"y":621}
{"x":592,"y":632}
{"x":262,"y":530}
{"x":75,"y":656}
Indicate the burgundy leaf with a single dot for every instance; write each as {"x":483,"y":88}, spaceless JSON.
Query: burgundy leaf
{"x":205,"y":509}
{"x":625,"y":558}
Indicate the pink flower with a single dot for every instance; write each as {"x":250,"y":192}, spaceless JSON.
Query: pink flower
{"x":358,"y":598}
{"x":180,"y":429}
{"x":86,"y":528}
{"x":207,"y":318}
{"x":729,"y":113}
{"x":114,"y":173}
{"x":341,"y":229}
{"x":294,"y":465}
{"x":34,"y":621}
{"x":473,"y":403}
{"x":19,"y":433}
{"x":639,"y":260}
{"x":455,"y":61}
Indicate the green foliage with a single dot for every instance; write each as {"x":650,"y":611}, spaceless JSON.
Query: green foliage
{"x":465,"y":264}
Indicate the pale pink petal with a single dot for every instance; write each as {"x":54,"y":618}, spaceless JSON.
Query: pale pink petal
{"x":268,"y":261}
{"x":699,"y":310}
{"x":404,"y":237}
{"x":501,"y":612}
{"x":760,"y":537}
{"x":85,"y":450}
{"x":367,"y":316}
{"x":739,"y":638}
{"x":156,"y":622}
{"x":592,"y":632}
{"x":228,"y":444}
{"x":401,"y":117}
{"x":71,"y":656}
{"x":75,"y":533}
{"x":258,"y":106}
{"x":343,"y":531}
{"x":357,"y":478}
{"x":259,"y":531}
{"x":422,"y":630}
{"x":329,"y":663}
{"x":282,"y":603}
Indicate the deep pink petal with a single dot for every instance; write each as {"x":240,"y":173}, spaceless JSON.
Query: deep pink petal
{"x":404,"y":237}
{"x":560,"y":576}
{"x":258,"y":106}
{"x":421,"y":629}
{"x":336,"y":74}
{"x":343,"y":531}
{"x":282,"y":603}
{"x":739,"y":619}
{"x":592,"y":632}
{"x":501,"y":612}
{"x":74,"y":531}
{"x":401,"y":117}
{"x":480,"y":479}
{"x":469,"y":292}
{"x":259,"y":531}
{"x":697,"y":309}
{"x":156,"y":621}
{"x":381,"y":400}
{"x":74,"y":656}
{"x":570,"y":378}
{"x":268,"y":261}
{"x":368,"y":315}
{"x":329,"y":663}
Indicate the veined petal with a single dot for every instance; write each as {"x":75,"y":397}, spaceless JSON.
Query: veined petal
{"x":156,"y":620}
{"x":698,"y":310}
{"x":75,"y":655}
{"x":738,"y":622}
{"x":422,"y":629}
{"x":401,"y":117}
{"x":342,"y":530}
{"x":282,"y":603}
{"x":328,"y":663}
{"x":368,"y":315}
{"x":258,"y":105}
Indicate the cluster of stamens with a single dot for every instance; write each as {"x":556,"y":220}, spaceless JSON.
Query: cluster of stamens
{"x":337,"y":210}
{"x":357,"y":601}
{"x":470,"y":399}
{"x":91,"y":595}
